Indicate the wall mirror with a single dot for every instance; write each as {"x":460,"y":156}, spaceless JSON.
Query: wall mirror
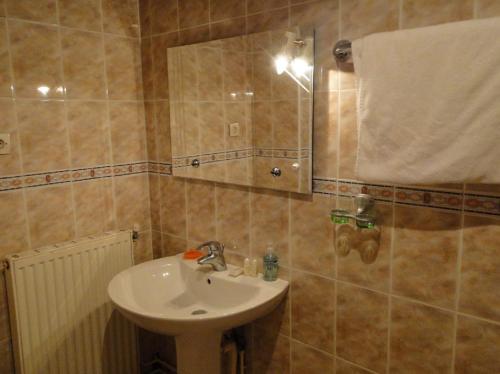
{"x":241,"y":110}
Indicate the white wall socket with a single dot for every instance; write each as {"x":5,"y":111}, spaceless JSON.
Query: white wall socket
{"x":4,"y":144}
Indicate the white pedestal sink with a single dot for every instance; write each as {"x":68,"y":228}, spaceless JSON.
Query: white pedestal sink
{"x":178,"y":297}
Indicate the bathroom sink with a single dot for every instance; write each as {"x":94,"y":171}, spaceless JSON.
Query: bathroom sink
{"x":178,"y":297}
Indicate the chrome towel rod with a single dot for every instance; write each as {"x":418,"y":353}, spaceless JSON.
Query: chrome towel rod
{"x":342,"y":51}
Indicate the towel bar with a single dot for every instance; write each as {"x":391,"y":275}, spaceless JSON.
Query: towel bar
{"x":342,"y":51}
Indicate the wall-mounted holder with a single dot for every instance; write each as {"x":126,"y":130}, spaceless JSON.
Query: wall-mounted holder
{"x":365,"y":215}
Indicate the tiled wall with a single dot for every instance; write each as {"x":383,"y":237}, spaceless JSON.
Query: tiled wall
{"x":429,"y":303}
{"x":71,"y":99}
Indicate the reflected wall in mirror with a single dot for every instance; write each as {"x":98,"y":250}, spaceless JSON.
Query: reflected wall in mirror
{"x":241,"y":110}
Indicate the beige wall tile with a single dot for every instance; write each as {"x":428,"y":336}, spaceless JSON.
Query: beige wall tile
{"x":84,"y":14}
{"x":323,"y":17}
{"x":344,"y":367}
{"x":6,"y":357}
{"x":40,"y":152}
{"x":93,"y":206}
{"x":425,"y":254}
{"x":483,"y":189}
{"x":50,"y":215}
{"x":156,"y":243}
{"x":173,"y":206}
{"x":147,"y":68}
{"x":88,"y":133}
{"x":143,"y":250}
{"x":121,"y":17}
{"x":5,"y":75}
{"x":145,"y":16}
{"x":10,"y":164}
{"x":269,"y":224}
{"x":37,"y":69}
{"x":128,"y":132}
{"x":363,"y":17}
{"x":193,"y":13}
{"x":313,"y":310}
{"x":421,"y":339}
{"x":228,"y":28}
{"x":224,"y":9}
{"x":418,"y":13}
{"x":255,"y":6}
{"x":487,"y":8}
{"x":33,"y":10}
{"x":163,"y":16}
{"x":348,"y":136}
{"x":4,"y":314}
{"x":83,"y":63}
{"x":271,"y":352}
{"x":212,"y":126}
{"x":132,"y":202}
{"x":272,"y":20}
{"x":479,"y":291}
{"x":173,"y":245}
{"x":325,"y":133}
{"x":159,"y":45}
{"x":13,"y":223}
{"x":200,"y":210}
{"x":123,"y":64}
{"x":478,"y":347}
{"x":308,"y":360}
{"x":155,"y":201}
{"x":233,"y":218}
{"x":151,"y":141}
{"x":374,"y":275}
{"x":362,"y":327}
{"x":312,"y":234}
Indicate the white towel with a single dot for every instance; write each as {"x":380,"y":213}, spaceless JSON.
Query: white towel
{"x":429,"y":104}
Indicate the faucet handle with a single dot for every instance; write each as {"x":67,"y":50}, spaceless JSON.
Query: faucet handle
{"x":213,"y":247}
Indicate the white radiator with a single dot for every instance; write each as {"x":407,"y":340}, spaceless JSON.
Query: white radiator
{"x":62,"y":319}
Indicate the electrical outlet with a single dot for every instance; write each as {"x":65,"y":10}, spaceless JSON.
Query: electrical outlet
{"x":4,"y":144}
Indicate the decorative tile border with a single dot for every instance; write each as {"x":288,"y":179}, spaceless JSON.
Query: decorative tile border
{"x":75,"y":175}
{"x":482,"y":204}
{"x":235,"y":154}
{"x":442,"y":199}
{"x":206,"y":158}
{"x":291,"y":153}
{"x":437,"y":199}
{"x":450,"y":200}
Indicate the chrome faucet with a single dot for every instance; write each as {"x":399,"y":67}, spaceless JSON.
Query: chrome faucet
{"x":215,"y":256}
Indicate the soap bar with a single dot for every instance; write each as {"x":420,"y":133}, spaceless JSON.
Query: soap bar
{"x":236,"y":272}
{"x":192,"y":254}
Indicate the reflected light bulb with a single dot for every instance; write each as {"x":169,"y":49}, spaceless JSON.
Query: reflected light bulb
{"x":44,"y":90}
{"x":281,"y":63}
{"x":299,"y":66}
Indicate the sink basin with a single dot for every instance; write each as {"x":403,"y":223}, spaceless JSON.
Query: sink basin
{"x":178,"y":297}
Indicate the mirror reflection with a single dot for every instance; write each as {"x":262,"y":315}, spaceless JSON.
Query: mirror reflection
{"x":241,"y":110}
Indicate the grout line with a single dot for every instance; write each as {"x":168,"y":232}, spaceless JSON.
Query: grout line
{"x":389,"y":308}
{"x":458,"y":285}
{"x":290,"y":263}
{"x":400,"y":14}
{"x":355,"y":365}
{"x":18,"y":130}
{"x":62,"y":27}
{"x":108,"y":117}
{"x":65,"y":119}
{"x":475,"y":9}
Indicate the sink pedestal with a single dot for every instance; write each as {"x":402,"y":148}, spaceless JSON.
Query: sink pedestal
{"x":199,"y":353}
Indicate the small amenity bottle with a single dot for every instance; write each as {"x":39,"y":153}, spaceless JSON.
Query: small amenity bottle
{"x":270,"y":265}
